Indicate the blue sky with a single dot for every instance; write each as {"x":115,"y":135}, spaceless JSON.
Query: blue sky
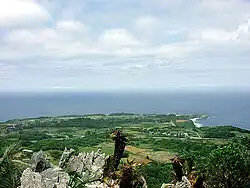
{"x":90,"y":45}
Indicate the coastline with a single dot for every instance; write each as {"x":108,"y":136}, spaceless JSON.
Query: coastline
{"x":196,"y":124}
{"x":196,"y":120}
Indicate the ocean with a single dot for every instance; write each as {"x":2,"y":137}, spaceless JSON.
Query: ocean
{"x":223,"y":108}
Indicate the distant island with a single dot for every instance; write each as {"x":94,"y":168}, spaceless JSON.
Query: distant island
{"x":153,"y":139}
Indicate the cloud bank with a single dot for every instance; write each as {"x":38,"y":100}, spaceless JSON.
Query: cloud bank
{"x":124,"y":45}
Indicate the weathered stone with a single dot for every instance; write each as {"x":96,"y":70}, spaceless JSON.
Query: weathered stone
{"x":49,"y":178}
{"x":31,"y":179}
{"x":111,"y":183}
{"x":65,"y":157}
{"x":184,"y":183}
{"x":168,"y":185}
{"x":39,"y":162}
{"x":55,"y":178}
{"x":88,"y":165}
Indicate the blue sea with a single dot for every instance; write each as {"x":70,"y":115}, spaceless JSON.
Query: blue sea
{"x":223,"y":108}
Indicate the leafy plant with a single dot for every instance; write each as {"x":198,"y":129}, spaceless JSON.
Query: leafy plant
{"x":228,"y":167}
{"x":10,"y":171}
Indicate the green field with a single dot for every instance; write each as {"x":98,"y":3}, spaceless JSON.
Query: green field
{"x":152,"y":139}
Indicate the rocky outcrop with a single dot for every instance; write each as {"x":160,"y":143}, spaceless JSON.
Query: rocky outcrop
{"x":65,"y":157}
{"x":55,"y":178}
{"x":87,"y":163}
{"x":167,"y":185}
{"x":31,"y":179}
{"x":88,"y":167}
{"x":50,"y":178}
{"x":98,"y":184}
{"x":42,"y":175}
{"x":39,"y":162}
{"x":184,"y":183}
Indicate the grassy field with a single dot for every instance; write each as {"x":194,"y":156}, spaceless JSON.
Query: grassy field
{"x":151,"y":137}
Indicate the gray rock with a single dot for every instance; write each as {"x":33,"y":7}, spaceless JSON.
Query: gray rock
{"x":184,"y":183}
{"x":49,"y":178}
{"x":89,"y":166}
{"x":98,"y":184}
{"x":55,"y":178}
{"x":31,"y":179}
{"x":65,"y":157}
{"x":168,"y":185}
{"x":39,"y":162}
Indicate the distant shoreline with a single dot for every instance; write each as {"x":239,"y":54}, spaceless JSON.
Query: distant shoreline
{"x":196,"y":124}
{"x":220,"y":106}
{"x":201,"y":116}
{"x":194,"y":120}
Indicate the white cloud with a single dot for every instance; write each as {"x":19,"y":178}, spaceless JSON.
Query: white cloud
{"x":220,"y":35}
{"x":182,"y":41}
{"x":21,"y":37}
{"x":243,"y":31}
{"x":224,"y":4}
{"x":66,"y":39}
{"x":145,"y":23}
{"x":21,"y":13}
{"x":179,"y":50}
{"x":213,"y":35}
{"x":118,"y":37}
{"x":72,"y":26}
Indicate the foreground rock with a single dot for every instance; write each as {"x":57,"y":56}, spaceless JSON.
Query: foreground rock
{"x":88,"y":167}
{"x":42,"y":175}
{"x":39,"y":162}
{"x":184,"y":183}
{"x":82,"y":170}
{"x":50,"y":178}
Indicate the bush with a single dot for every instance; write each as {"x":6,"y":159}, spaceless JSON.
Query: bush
{"x":156,"y":173}
{"x":56,"y":154}
{"x":228,"y":166}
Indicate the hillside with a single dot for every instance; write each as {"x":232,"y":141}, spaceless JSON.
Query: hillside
{"x":152,"y":141}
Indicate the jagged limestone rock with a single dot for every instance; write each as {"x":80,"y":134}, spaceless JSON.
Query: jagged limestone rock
{"x":65,"y":157}
{"x":49,"y":178}
{"x":39,"y":162}
{"x":111,"y":183}
{"x":168,"y":185}
{"x":55,"y":178}
{"x":41,"y":175}
{"x":184,"y":183}
{"x":89,"y":166}
{"x":31,"y":179}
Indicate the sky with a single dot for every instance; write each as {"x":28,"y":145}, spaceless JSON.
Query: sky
{"x":117,"y":45}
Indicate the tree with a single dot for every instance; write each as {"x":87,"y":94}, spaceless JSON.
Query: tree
{"x":120,"y":143}
{"x":228,"y":167}
{"x":10,"y":170}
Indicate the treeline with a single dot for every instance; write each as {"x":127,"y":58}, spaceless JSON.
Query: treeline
{"x":91,"y":138}
{"x":156,"y":173}
{"x":178,"y":146}
{"x":224,"y":132}
{"x":107,"y":122}
{"x":36,"y":140}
